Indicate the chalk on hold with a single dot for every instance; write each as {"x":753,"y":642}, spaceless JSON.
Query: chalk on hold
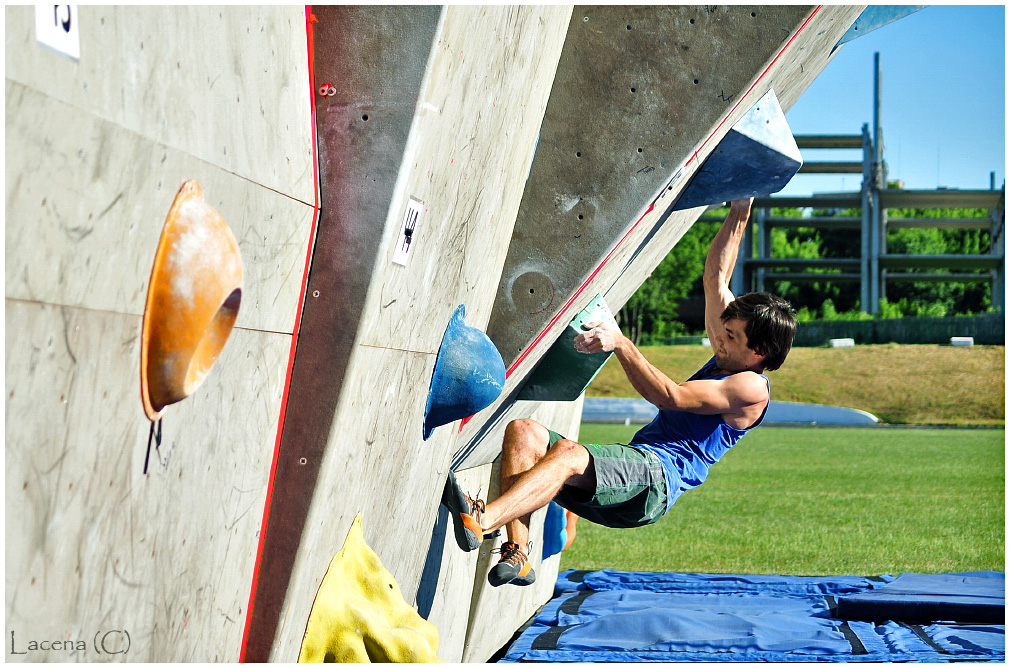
{"x":758,"y":156}
{"x":564,"y":372}
{"x":876,"y":16}
{"x":962,"y":341}
{"x":841,"y":343}
{"x":469,"y":375}
{"x":359,"y":614}
{"x":192,"y":301}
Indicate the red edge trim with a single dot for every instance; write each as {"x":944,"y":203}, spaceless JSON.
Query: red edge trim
{"x":310,"y":44}
{"x":652,"y":206}
{"x":309,"y":20}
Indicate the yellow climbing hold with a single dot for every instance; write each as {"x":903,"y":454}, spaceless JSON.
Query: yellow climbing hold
{"x":359,"y":614}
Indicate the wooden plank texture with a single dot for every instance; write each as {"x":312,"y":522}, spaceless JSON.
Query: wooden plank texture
{"x":467,"y":159}
{"x":95,"y":544}
{"x":376,"y":464}
{"x":443,"y":597}
{"x":86,"y":201}
{"x":224,"y":84}
{"x":485,"y":83}
{"x":496,"y":612}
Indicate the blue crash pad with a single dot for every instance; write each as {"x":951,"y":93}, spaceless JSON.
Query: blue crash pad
{"x":964,"y":597}
{"x":618,"y":616}
{"x":634,"y":411}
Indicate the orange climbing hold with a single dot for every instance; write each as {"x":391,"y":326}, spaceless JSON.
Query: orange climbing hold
{"x":570,"y":520}
{"x":192,"y":301}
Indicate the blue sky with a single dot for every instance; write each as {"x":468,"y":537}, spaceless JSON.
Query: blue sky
{"x":943,"y":109}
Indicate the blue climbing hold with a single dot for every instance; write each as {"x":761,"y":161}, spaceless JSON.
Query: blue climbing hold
{"x":758,"y":156}
{"x":469,"y":375}
{"x":555,"y":533}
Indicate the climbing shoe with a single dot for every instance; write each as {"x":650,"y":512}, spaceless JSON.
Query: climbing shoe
{"x":466,"y":514}
{"x":513,"y":567}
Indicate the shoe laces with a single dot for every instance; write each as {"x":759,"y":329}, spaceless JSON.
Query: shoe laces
{"x":510,"y":552}
{"x":476,"y":507}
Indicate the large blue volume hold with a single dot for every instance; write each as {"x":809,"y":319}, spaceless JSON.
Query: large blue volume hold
{"x":757,"y":157}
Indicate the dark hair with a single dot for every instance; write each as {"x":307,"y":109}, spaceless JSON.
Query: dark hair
{"x":770,"y":325}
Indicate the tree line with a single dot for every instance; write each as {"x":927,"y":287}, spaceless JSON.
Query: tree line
{"x":653,"y":311}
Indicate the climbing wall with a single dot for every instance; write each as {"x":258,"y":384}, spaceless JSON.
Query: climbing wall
{"x":596,"y":217}
{"x":379,"y":166}
{"x":453,"y":127}
{"x":96,"y":150}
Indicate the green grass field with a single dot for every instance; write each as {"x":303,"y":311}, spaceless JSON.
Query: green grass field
{"x":822,"y":501}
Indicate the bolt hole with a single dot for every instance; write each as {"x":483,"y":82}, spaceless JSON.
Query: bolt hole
{"x":303,"y":461}
{"x":696,"y":81}
{"x":639,"y":150}
{"x":315,"y":293}
{"x":364,"y":117}
{"x":531,"y":291}
{"x":753,"y":14}
{"x":578,"y":154}
{"x":632,"y":89}
{"x":629,"y":26}
{"x":580,"y":216}
{"x":585,"y":18}
{"x":692,"y":21}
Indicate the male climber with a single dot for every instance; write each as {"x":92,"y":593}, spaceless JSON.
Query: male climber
{"x":699,"y":420}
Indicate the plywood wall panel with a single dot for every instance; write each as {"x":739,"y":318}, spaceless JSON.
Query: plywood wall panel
{"x":96,"y":151}
{"x":362,"y":131}
{"x":467,"y":159}
{"x":638,"y":88}
{"x":496,"y":612}
{"x":807,"y":55}
{"x":376,"y":464}
{"x":91,"y":542}
{"x":86,"y":201}
{"x":443,"y":596}
{"x":485,"y":87}
{"x":219,"y":94}
{"x":224,"y":84}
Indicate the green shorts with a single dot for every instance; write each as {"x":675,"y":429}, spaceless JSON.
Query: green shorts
{"x":630,"y":487}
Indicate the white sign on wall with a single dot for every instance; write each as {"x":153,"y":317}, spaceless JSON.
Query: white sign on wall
{"x":57,"y":27}
{"x":406,"y":237}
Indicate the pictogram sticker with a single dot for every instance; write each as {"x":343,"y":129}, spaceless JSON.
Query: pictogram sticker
{"x":407,"y":231}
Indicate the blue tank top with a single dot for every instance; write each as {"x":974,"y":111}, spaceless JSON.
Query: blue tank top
{"x":688,"y":444}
